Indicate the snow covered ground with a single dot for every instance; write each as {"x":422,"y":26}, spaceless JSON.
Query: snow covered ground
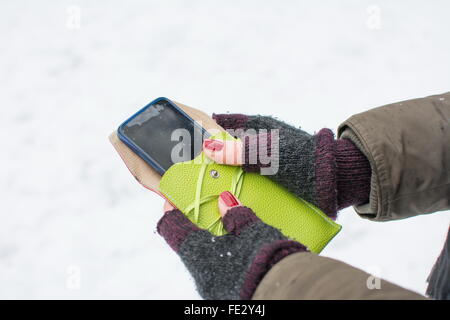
{"x":75,"y":224}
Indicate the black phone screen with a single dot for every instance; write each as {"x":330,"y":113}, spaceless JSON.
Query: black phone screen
{"x":164,"y":135}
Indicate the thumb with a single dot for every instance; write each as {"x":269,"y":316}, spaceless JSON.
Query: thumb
{"x":235,"y":216}
{"x":224,"y":151}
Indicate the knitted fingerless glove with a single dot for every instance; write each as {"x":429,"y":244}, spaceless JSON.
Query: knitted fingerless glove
{"x":229,"y":266}
{"x":329,"y":173}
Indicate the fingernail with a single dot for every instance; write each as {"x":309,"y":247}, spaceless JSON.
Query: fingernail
{"x":229,"y":199}
{"x":213,"y":145}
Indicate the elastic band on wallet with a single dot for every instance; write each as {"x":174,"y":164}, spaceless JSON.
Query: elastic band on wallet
{"x":235,"y":188}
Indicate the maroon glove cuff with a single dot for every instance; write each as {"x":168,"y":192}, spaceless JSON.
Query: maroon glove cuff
{"x":342,"y":173}
{"x":353,"y":174}
{"x":174,"y":227}
{"x":325,"y":172}
{"x":231,"y":121}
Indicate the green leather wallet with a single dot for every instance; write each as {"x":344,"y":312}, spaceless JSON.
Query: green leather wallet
{"x":203,"y":180}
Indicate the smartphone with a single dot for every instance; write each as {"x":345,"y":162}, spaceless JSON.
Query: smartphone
{"x":162,"y":134}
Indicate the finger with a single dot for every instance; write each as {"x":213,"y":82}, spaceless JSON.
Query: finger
{"x":235,"y":216}
{"x":224,"y":152}
{"x":227,"y":201}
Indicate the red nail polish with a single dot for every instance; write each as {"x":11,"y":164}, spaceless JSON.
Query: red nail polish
{"x":229,"y":199}
{"x":213,"y":145}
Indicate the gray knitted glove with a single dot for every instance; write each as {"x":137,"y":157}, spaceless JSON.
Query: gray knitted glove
{"x":229,"y":266}
{"x":331,"y":174}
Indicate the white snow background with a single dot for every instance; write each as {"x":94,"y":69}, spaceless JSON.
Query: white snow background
{"x":75,"y":224}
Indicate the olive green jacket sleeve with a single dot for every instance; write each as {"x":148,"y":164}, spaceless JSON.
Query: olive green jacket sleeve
{"x":306,"y":275}
{"x":408,"y":147}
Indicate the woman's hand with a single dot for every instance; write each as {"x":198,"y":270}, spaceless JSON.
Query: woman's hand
{"x":331,"y":174}
{"x":229,"y":266}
